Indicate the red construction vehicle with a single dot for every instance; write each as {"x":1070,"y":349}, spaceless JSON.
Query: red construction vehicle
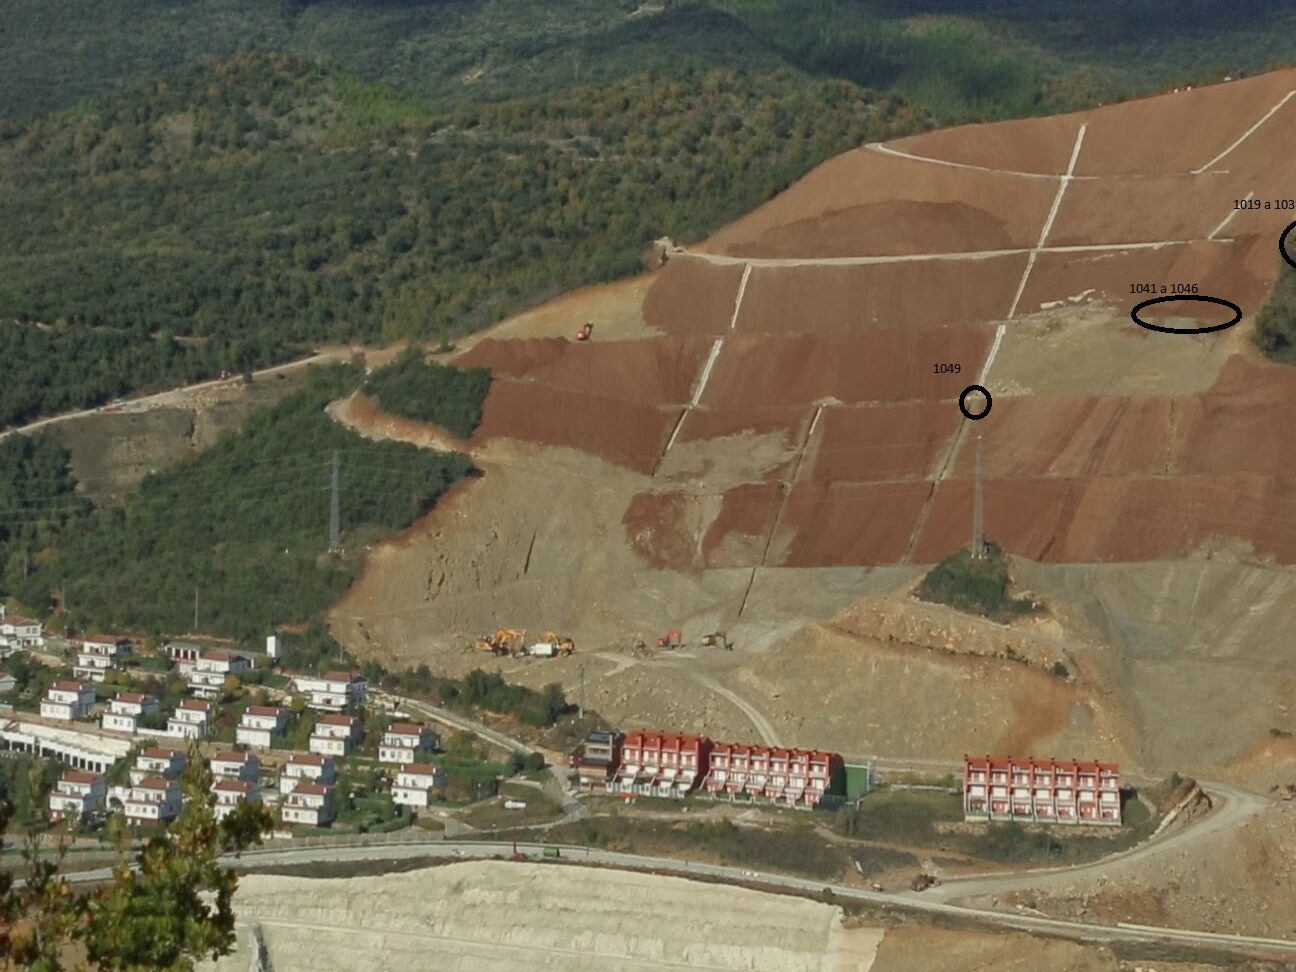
{"x":584,"y":333}
{"x":671,"y":639}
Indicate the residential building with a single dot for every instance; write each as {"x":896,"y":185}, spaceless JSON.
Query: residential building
{"x":332,"y":691}
{"x":1041,"y":790}
{"x":97,"y":655}
{"x":184,"y":655}
{"x":92,"y":752}
{"x":18,"y":632}
{"x":212,"y":668}
{"x":158,"y":761}
{"x":236,"y":766}
{"x":595,"y":759}
{"x":192,"y":718}
{"x":793,"y":777}
{"x":666,"y":764}
{"x":127,"y":709}
{"x":308,"y":803}
{"x":415,"y":782}
{"x":68,"y":701}
{"x":311,"y":767}
{"x":153,"y":800}
{"x":78,"y":796}
{"x":230,"y":793}
{"x":404,"y":742}
{"x":334,"y":735}
{"x":260,"y":724}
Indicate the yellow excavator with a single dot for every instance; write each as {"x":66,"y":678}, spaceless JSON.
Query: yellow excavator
{"x":505,"y":641}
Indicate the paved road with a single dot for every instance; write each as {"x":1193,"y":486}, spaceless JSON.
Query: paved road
{"x":456,"y":721}
{"x":1272,"y":948}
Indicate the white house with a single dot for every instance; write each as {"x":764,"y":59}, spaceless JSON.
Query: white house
{"x":125,"y":711}
{"x":404,"y":742}
{"x":192,"y":718}
{"x":68,"y":701}
{"x":184,"y":655}
{"x":19,"y":632}
{"x":97,"y":655}
{"x":236,"y":766}
{"x":153,"y":800}
{"x":334,"y":735}
{"x":260,"y":724}
{"x":311,"y":767}
{"x":7,"y":683}
{"x":332,"y":691}
{"x":157,"y":761}
{"x":77,"y":796}
{"x":230,"y":793}
{"x":414,"y":784}
{"x":212,"y":668}
{"x":308,"y":803}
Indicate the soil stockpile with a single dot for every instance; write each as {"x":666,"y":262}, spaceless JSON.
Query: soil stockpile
{"x":690,"y":296}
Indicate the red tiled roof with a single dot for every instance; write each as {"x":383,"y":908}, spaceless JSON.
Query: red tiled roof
{"x":405,"y":728}
{"x":1055,"y":765}
{"x":156,"y":783}
{"x":419,"y":769}
{"x":136,"y":697}
{"x":263,"y":710}
{"x":342,"y":676}
{"x":337,"y":720}
{"x":104,"y":639}
{"x":76,"y":776}
{"x":220,"y":654}
{"x":233,"y":757}
{"x":70,"y":686}
{"x":17,"y":619}
{"x":314,"y":789}
{"x":159,"y":752}
{"x":201,"y":704}
{"x":666,"y":740}
{"x":307,"y":759}
{"x":236,"y":786}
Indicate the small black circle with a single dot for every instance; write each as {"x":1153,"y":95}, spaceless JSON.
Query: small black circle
{"x":1237,"y":314}
{"x":963,"y":398}
{"x":1282,"y":245}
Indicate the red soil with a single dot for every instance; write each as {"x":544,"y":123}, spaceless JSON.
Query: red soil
{"x":1083,"y":521}
{"x":1070,"y":437}
{"x":692,"y":297}
{"x":657,"y":529}
{"x":1040,"y":145}
{"x":865,"y":365}
{"x":737,"y":536}
{"x":1242,"y":272}
{"x":650,"y":372}
{"x":946,"y":209}
{"x":883,"y":442}
{"x":1177,"y":132}
{"x":628,"y":434}
{"x":912,"y":294}
{"x":1249,"y":395}
{"x":1146,"y":210}
{"x":851,"y":524}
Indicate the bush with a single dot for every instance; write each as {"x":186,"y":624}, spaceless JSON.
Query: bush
{"x":976,"y":586}
{"x":1275,"y":333}
{"x":413,"y":387}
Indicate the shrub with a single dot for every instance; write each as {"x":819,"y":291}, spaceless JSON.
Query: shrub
{"x":427,"y":391}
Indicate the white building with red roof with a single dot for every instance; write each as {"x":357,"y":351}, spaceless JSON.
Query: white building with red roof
{"x":335,"y":734}
{"x":312,"y":767}
{"x":97,"y":655}
{"x":332,"y":691}
{"x":18,"y":632}
{"x":212,"y":668}
{"x":792,"y":777}
{"x":308,"y":804}
{"x":158,"y":761}
{"x":153,"y":800}
{"x":236,"y":766}
{"x":67,"y":701}
{"x":78,"y":796}
{"x":405,"y":742}
{"x":125,"y":711}
{"x":666,"y":764}
{"x":415,"y":784}
{"x":1041,"y":790}
{"x":260,"y":724}
{"x":230,"y":793}
{"x":192,"y":718}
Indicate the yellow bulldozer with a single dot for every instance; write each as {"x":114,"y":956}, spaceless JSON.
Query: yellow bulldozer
{"x":505,"y":641}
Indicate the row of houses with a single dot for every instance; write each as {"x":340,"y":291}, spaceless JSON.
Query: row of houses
{"x":1041,"y":790}
{"x":671,"y":764}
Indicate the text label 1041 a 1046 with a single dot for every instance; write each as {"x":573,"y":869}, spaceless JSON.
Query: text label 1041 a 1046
{"x":1264,"y":203}
{"x":1151,"y":288}
{"x":947,"y":369}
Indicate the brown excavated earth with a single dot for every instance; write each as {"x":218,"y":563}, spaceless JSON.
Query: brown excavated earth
{"x":692,"y":297}
{"x":884,"y":442}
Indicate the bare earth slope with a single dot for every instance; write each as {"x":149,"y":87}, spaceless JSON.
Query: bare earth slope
{"x":766,"y":430}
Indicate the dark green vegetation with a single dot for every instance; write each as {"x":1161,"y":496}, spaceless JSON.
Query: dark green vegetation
{"x":955,"y":57}
{"x":976,"y":586}
{"x":245,"y":524}
{"x":483,"y":690}
{"x":269,"y":200}
{"x":25,"y":783}
{"x":441,"y":394}
{"x":37,"y":503}
{"x":1275,"y":333}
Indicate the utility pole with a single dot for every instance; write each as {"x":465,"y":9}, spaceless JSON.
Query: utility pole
{"x":195,"y":627}
{"x":335,"y":520}
{"x":978,"y":525}
{"x":581,"y":710}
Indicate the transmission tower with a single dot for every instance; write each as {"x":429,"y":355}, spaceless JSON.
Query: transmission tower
{"x":335,"y":519}
{"x":978,"y":522}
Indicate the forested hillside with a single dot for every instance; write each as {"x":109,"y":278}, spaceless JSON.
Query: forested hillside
{"x":265,"y":200}
{"x":245,"y":524}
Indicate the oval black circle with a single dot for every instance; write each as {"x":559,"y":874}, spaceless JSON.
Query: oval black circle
{"x":1237,"y":314}
{"x":1282,"y":245}
{"x":963,"y":399}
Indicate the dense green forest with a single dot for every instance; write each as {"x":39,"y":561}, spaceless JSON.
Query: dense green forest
{"x":269,"y":200}
{"x":974,"y":585}
{"x":430,"y":392}
{"x":245,"y":524}
{"x":960,"y":59}
{"x":1275,"y":333}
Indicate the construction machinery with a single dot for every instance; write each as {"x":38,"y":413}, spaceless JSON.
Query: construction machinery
{"x":505,"y":641}
{"x":717,"y":639}
{"x":550,"y":645}
{"x":671,"y":639}
{"x":584,"y":333}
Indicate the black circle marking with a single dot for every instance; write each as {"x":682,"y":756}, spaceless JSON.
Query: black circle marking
{"x":1237,"y":314}
{"x":1282,"y":245}
{"x":963,"y":399}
